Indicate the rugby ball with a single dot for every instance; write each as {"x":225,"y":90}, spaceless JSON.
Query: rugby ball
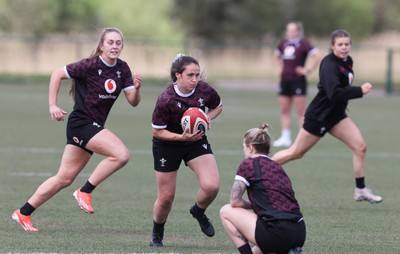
{"x":193,"y":120}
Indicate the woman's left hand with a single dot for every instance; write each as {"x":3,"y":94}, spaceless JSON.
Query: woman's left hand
{"x":366,"y":87}
{"x":302,"y":71}
{"x":137,"y":81}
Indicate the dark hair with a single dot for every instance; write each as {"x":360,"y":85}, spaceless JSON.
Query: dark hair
{"x":259,"y":138}
{"x":179,"y":64}
{"x":340,"y":33}
{"x":97,"y":52}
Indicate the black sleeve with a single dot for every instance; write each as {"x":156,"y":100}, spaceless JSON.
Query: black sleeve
{"x":331,"y":84}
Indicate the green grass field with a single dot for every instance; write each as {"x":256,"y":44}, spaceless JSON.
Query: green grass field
{"x":31,"y":146}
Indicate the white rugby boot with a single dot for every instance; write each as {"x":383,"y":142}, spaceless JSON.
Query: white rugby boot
{"x":366,"y":194}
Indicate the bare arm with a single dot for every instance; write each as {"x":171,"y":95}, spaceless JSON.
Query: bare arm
{"x":133,"y":95}
{"x":315,"y":59}
{"x":213,"y":113}
{"x":237,"y":192}
{"x":278,"y":63}
{"x":56,"y":113}
{"x":312,"y":65}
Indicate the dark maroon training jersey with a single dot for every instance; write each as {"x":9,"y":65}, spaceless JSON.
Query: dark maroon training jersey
{"x":97,"y":86}
{"x":171,"y":104}
{"x":269,"y":188}
{"x":294,"y":53}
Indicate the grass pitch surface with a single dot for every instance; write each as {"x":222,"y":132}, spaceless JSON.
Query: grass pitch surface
{"x":31,"y":147}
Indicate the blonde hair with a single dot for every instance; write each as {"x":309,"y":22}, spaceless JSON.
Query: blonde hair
{"x":299,"y":26}
{"x":97,"y":52}
{"x":259,"y":138}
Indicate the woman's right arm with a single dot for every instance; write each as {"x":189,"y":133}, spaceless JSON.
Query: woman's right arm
{"x":237,"y":192}
{"x":278,"y":62}
{"x":56,"y":113}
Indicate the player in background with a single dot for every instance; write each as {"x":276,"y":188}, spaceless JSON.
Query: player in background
{"x":290,"y":57}
{"x":171,"y":145}
{"x":327,"y":113}
{"x":270,"y":219}
{"x":96,"y":83}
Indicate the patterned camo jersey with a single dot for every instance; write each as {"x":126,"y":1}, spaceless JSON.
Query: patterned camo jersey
{"x":97,"y":86}
{"x":171,"y":104}
{"x":273,"y":194}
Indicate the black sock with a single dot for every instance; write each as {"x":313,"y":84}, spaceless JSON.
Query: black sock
{"x":158,"y":227}
{"x":27,"y":209}
{"x":198,"y":210}
{"x":88,"y":187}
{"x":245,"y":249}
{"x":360,"y":182}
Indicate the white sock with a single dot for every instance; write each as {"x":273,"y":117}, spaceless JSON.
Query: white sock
{"x":286,"y":134}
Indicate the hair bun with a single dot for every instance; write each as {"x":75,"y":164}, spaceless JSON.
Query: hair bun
{"x":265,"y":127}
{"x":178,"y":56}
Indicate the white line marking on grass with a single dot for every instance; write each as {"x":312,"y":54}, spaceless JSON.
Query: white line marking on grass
{"x":38,"y":150}
{"x":381,"y":155}
{"x":40,"y":174}
{"x":29,"y":150}
{"x":321,"y":154}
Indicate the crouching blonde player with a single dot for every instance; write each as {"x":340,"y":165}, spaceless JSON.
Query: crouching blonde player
{"x":271,"y":219}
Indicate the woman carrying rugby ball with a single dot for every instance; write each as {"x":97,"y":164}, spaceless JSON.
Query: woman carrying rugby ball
{"x":171,"y":144}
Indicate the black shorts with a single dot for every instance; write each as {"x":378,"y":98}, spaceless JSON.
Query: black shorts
{"x":318,"y":128}
{"x":279,"y":235}
{"x":169,"y":155}
{"x":80,"y":130}
{"x":293,"y":88}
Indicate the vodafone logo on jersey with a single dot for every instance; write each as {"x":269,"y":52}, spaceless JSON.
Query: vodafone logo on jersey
{"x":110,"y":85}
{"x":288,"y":52}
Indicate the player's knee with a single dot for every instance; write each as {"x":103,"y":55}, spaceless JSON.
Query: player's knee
{"x":67,"y":182}
{"x":63,"y":182}
{"x":165,"y":201}
{"x":361,"y":148}
{"x":224,"y":210}
{"x":212,"y":188}
{"x":123,"y":157}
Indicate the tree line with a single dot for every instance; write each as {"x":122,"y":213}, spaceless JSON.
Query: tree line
{"x":221,"y":20}
{"x":242,"y":19}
